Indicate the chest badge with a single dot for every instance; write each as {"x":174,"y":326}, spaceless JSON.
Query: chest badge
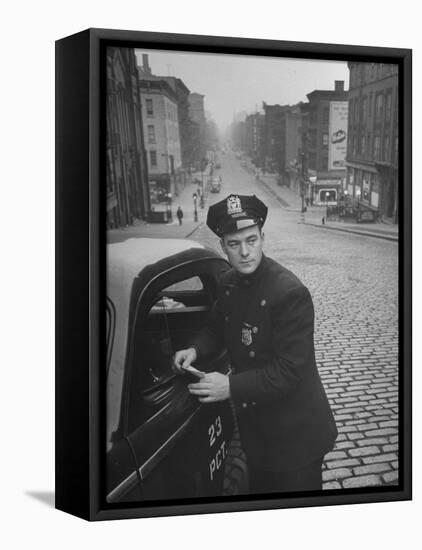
{"x":246,"y":337}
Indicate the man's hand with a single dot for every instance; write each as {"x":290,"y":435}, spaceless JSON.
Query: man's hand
{"x":183,"y":358}
{"x":213,"y":387}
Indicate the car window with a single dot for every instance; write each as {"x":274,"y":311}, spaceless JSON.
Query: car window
{"x":167,"y":299}
{"x":192,"y":283}
{"x":175,"y":314}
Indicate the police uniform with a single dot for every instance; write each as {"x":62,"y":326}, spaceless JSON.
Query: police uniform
{"x":266,"y":322}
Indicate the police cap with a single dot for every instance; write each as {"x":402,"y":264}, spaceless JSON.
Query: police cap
{"x":236,"y":212}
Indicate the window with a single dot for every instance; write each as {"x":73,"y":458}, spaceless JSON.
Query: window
{"x":377,"y":147}
{"x":153,"y":158}
{"x":354,"y":145}
{"x":396,"y":150}
{"x":370,"y":104}
{"x":379,"y":106}
{"x":388,"y":105}
{"x":150,"y":110}
{"x":325,"y":115}
{"x":366,"y":187}
{"x":323,"y":163}
{"x":363,"y":144}
{"x":386,"y":152}
{"x":327,"y":195}
{"x":168,"y":319}
{"x":151,"y":133}
{"x":356,"y":114}
{"x":325,"y":139}
{"x":364,"y":108}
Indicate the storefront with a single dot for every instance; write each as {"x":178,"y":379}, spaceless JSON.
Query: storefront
{"x":363,"y":183}
{"x":326,"y":192}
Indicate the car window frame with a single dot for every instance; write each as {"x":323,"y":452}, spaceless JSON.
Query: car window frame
{"x":145,"y":295}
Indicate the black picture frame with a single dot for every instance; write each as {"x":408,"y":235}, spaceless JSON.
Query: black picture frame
{"x":80,"y":261}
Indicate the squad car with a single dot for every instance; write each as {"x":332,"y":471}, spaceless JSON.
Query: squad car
{"x":161,"y":442}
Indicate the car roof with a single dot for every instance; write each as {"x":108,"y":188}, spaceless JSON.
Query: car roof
{"x":134,"y":254}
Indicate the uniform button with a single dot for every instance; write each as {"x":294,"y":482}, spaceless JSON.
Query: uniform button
{"x":263,"y":302}
{"x":246,"y":281}
{"x":226,"y":318}
{"x":253,"y":403}
{"x":255,"y":330}
{"x":244,"y":405}
{"x":252,"y":354}
{"x":227,"y":292}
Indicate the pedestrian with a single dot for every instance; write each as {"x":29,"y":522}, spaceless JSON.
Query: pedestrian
{"x":179,"y":214}
{"x":264,"y":316}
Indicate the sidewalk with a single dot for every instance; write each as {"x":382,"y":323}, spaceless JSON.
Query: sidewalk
{"x":171,"y":230}
{"x":292,"y":202}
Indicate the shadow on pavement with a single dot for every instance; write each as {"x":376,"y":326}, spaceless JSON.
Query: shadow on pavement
{"x":45,"y":497}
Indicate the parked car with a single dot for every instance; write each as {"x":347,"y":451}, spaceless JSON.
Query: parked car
{"x":161,"y":442}
{"x":215,"y":184}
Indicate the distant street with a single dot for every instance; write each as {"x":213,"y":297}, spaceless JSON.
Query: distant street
{"x":353,"y":281}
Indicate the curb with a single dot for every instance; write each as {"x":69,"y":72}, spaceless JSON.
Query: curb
{"x":194,"y":229}
{"x":357,"y":232}
{"x":274,"y":193}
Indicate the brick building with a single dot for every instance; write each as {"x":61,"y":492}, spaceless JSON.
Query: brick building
{"x":126,"y":167}
{"x":325,"y":142}
{"x":372,"y":153}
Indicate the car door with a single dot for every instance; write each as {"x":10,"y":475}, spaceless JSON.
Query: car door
{"x":178,"y":445}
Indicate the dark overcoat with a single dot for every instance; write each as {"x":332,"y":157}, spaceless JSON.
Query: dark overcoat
{"x":266,"y":322}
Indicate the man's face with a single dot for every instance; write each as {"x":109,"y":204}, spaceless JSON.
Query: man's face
{"x":244,"y":249}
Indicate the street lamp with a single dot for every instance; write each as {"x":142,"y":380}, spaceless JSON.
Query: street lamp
{"x":195,"y":210}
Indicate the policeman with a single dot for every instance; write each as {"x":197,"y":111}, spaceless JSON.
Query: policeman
{"x":264,"y":316}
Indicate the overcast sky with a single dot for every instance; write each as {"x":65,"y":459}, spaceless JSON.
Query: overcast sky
{"x":235,"y":83}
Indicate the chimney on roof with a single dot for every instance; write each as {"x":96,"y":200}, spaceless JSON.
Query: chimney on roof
{"x":146,"y":69}
{"x":339,"y":85}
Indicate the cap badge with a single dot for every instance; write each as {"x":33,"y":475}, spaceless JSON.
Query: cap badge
{"x":234,"y":206}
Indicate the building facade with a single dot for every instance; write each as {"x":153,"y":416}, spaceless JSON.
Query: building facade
{"x":254,"y":138}
{"x":325,"y":142}
{"x":293,"y":144}
{"x":162,"y":138}
{"x":275,"y":139}
{"x":126,"y":166}
{"x":372,"y":153}
{"x":182,"y":94}
{"x":198,"y":125}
